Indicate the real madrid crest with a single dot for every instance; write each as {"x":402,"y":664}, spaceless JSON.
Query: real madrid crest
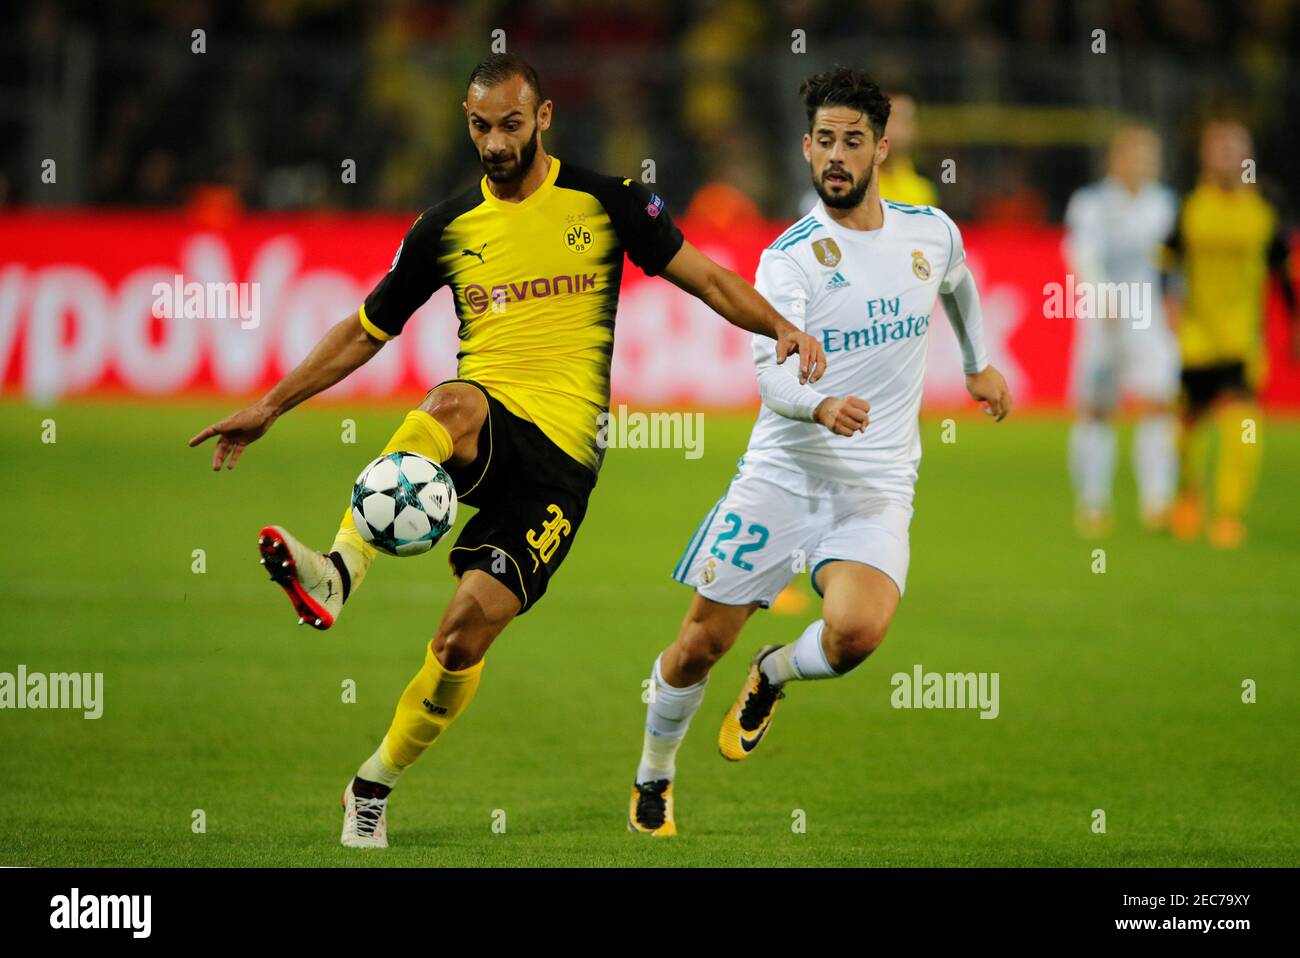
{"x":827,"y":253}
{"x":709,"y":572}
{"x":920,"y":265}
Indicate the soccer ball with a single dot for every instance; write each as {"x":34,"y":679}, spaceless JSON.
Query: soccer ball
{"x":403,"y":503}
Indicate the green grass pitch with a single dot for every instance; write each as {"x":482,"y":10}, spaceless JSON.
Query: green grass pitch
{"x":1119,"y":691}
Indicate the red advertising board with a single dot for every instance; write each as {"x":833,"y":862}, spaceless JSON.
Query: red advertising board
{"x":77,"y":292}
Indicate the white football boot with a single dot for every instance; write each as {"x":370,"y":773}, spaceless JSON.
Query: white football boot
{"x":312,"y":581}
{"x":364,"y":822}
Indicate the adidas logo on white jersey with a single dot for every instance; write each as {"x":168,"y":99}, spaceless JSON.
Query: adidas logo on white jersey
{"x":837,"y":281}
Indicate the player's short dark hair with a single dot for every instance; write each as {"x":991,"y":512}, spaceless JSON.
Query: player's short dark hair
{"x":502,"y":66}
{"x":849,"y":87}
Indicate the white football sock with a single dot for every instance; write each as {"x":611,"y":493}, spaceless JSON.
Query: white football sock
{"x":803,"y":659}
{"x":373,"y":769}
{"x":1155,"y":461}
{"x":1092,"y":462}
{"x":668,"y":716}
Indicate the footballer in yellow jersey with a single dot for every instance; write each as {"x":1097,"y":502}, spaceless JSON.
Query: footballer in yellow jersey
{"x":899,"y":180}
{"x":1228,"y":239}
{"x":536,"y":285}
{"x":533,"y":255}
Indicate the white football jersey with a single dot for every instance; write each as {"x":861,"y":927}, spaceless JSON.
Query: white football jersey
{"x":1114,"y":236}
{"x":868,"y":295}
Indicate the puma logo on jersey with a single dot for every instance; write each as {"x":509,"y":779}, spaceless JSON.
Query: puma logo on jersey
{"x":478,"y":253}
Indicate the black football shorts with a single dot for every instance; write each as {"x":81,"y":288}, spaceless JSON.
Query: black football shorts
{"x":1202,"y":385}
{"x":531,"y":497}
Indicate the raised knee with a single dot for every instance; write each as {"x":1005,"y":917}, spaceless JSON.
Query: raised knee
{"x":852,"y":639}
{"x":458,"y":406}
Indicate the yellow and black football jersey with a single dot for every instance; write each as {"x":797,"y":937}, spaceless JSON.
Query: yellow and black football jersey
{"x":1227,"y":240}
{"x":901,"y":183}
{"x":536,"y":287}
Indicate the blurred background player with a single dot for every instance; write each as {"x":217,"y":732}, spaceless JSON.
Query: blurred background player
{"x":1229,"y":237}
{"x":1116,"y":228}
{"x":899,"y":180}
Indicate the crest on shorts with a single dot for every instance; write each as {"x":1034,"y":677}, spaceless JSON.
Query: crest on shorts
{"x":709,"y":572}
{"x":827,"y":252}
{"x":920,"y":265}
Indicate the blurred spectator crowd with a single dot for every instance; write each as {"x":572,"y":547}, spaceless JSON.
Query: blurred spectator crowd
{"x":1015,"y":92}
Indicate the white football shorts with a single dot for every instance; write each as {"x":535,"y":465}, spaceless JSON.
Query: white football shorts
{"x":760,"y":535}
{"x":1113,"y":360}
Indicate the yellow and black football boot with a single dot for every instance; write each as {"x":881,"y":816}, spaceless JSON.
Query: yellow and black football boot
{"x":747,"y":721}
{"x":651,"y":811}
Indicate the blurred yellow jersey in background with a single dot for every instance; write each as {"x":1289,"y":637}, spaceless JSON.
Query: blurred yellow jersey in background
{"x":1223,"y":239}
{"x":901,"y":183}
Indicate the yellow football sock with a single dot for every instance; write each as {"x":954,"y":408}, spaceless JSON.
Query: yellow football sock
{"x":432,"y":701}
{"x":419,"y":432}
{"x":1237,"y":468}
{"x":357,"y":553}
{"x":1193,"y":456}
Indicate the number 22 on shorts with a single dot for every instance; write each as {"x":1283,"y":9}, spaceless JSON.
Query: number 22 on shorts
{"x":734,"y":523}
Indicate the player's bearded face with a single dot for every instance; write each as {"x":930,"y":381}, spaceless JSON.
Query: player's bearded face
{"x":505,"y":164}
{"x":839,"y":187}
{"x":841,"y":152}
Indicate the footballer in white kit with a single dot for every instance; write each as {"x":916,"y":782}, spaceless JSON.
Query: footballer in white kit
{"x":1124,"y":348}
{"x":826,"y":483}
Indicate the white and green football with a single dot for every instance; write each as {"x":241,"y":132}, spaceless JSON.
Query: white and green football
{"x":403,"y":503}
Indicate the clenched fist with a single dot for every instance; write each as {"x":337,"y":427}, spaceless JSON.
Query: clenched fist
{"x":844,"y":415}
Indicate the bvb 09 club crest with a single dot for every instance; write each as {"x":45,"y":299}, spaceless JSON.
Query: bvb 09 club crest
{"x":577,"y":238}
{"x":920,"y":265}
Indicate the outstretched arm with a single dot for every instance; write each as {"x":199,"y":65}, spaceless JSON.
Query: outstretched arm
{"x":412,"y":278}
{"x":344,"y":348}
{"x":741,"y":305}
{"x":961,"y":303}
